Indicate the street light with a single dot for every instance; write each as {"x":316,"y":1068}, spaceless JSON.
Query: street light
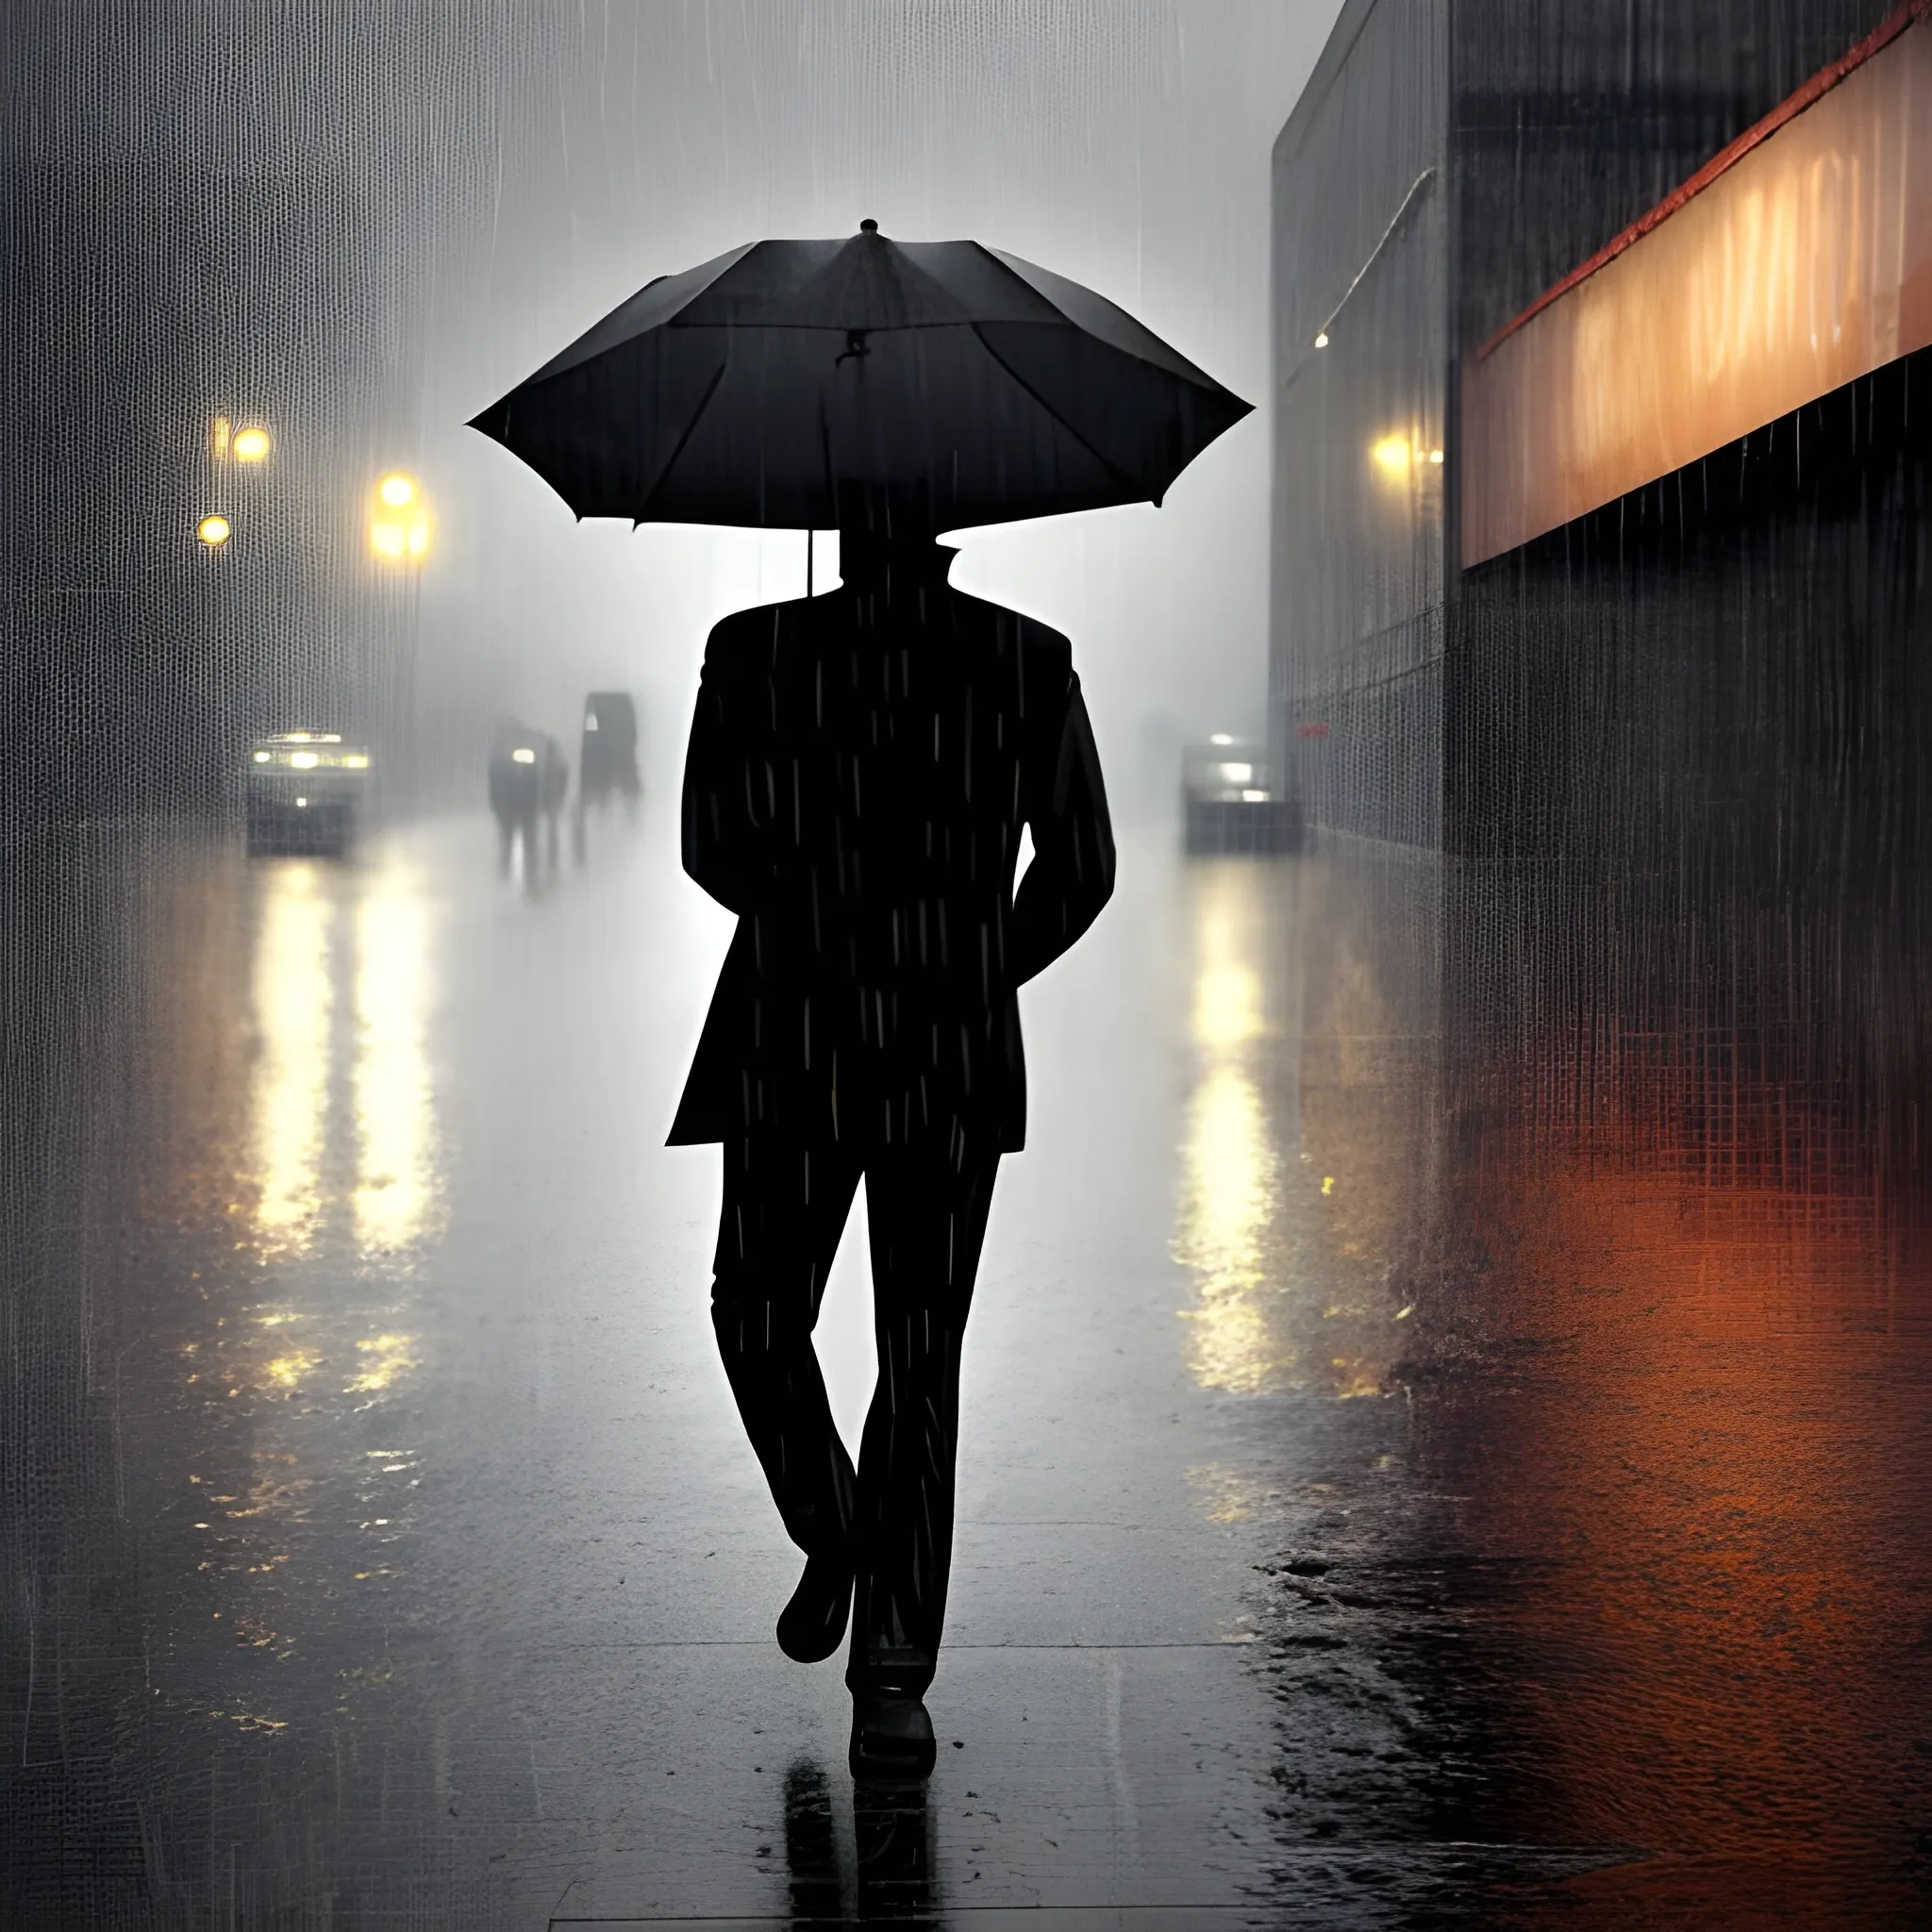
{"x":399,"y":519}
{"x":213,"y":531}
{"x":250,"y":445}
{"x":1393,"y":455}
{"x":1400,"y":457}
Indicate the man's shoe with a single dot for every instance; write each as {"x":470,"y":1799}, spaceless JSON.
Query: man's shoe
{"x":892,"y":1737}
{"x":812,"y":1626}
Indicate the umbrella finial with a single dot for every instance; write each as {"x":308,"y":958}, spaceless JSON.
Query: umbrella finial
{"x":868,"y":226}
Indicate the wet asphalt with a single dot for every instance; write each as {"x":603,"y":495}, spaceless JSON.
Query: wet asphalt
{"x":1362,"y":1522}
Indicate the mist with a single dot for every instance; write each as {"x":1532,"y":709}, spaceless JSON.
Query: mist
{"x":1122,"y":145}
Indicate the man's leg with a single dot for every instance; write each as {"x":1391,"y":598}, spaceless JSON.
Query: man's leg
{"x":785,"y":1206}
{"x":928,"y":1213}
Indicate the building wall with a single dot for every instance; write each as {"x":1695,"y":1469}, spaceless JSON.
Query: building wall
{"x":204,"y":208}
{"x":1505,"y":142}
{"x":1670,"y":752}
{"x":1569,"y":121}
{"x":210,"y":211}
{"x":1688,"y":814}
{"x":1361,"y":233}
{"x":1680,"y":808}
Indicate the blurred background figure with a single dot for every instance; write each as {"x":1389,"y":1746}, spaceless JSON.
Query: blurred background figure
{"x":530,"y":779}
{"x":553,"y":781}
{"x":514,"y":792}
{"x":608,"y":760}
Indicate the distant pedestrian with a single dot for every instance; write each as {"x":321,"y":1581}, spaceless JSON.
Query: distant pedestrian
{"x":530,"y":779}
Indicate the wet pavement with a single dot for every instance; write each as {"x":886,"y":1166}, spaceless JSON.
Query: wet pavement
{"x":1372,"y":1513}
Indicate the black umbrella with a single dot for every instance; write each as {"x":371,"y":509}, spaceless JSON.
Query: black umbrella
{"x":781,"y":381}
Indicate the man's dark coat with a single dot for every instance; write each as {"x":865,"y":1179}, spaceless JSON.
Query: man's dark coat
{"x":860,"y":767}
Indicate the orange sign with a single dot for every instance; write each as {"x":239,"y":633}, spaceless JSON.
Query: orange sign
{"x":1799,"y":259}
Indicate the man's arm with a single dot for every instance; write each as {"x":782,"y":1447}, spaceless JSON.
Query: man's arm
{"x":1071,"y":877}
{"x":727,"y":788}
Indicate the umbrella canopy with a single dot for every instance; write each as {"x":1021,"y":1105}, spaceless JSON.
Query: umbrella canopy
{"x":782,"y":383}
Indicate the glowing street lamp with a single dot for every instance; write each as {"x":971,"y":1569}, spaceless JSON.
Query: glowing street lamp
{"x":1399,"y":459}
{"x":213,"y":531}
{"x":249,"y":444}
{"x":399,"y":521}
{"x":1391,"y":456}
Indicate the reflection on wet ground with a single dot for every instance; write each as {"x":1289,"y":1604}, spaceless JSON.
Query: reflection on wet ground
{"x":1378,"y":1507}
{"x":1694,"y":1427}
{"x":1297,"y":1189}
{"x":885,"y":1874}
{"x":290,"y":1175}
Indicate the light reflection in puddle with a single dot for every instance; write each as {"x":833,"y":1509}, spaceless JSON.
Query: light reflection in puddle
{"x":340,"y":1179}
{"x":301,"y":1144}
{"x":386,"y":1359}
{"x":294,"y":1012}
{"x":395,"y":1112}
{"x":1294,"y":1257}
{"x":1229,"y":1167}
{"x":1227,"y":1185}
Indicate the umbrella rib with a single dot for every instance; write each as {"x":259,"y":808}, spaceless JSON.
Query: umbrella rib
{"x":845,"y":329}
{"x":1198,"y":379}
{"x":697,"y":416}
{"x":1112,"y":469}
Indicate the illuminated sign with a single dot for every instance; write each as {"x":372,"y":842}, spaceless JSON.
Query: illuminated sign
{"x":1797,"y":260}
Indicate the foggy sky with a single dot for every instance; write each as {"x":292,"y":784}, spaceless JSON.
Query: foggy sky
{"x":1123,"y":142}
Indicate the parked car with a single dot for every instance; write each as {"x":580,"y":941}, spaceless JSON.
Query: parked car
{"x":306,"y":791}
{"x":1229,"y":802}
{"x":607,"y":759}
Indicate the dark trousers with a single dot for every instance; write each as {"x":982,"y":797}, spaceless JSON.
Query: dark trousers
{"x":784,"y":1207}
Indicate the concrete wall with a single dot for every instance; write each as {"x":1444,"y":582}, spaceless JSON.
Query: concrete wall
{"x":1360,"y":254}
{"x":1684,"y":829}
{"x":1669,"y":753}
{"x":210,"y":211}
{"x":1447,"y":163}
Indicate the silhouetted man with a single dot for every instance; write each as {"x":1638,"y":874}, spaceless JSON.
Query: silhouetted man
{"x":861,"y":768}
